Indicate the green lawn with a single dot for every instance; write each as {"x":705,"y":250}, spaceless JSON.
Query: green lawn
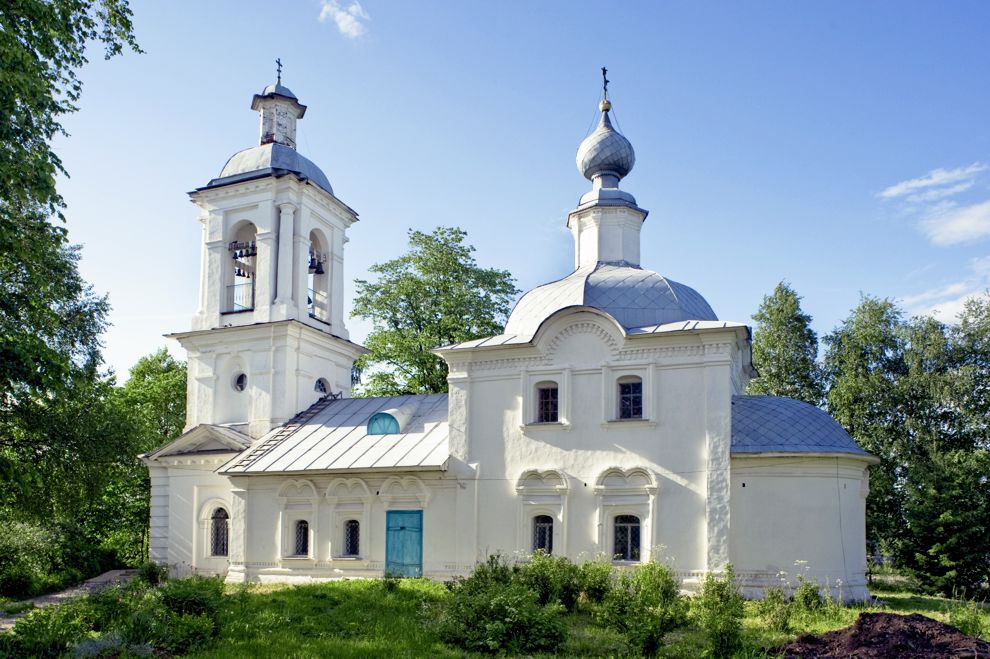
{"x":366,"y":619}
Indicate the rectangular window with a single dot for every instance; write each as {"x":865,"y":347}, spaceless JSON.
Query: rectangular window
{"x":630,"y":400}
{"x":547,"y":406}
{"x":626,"y":538}
{"x":543,"y":533}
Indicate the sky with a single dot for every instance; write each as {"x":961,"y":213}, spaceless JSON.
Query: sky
{"x":841,"y":146}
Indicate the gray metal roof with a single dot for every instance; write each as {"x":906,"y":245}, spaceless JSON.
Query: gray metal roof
{"x":773,"y":424}
{"x":633,"y":296}
{"x":332,"y":435}
{"x":280,"y":89}
{"x":605,"y":150}
{"x":270,"y":160}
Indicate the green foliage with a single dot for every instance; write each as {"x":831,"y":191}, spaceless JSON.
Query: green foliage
{"x":505,"y":619}
{"x":552,"y":578}
{"x":967,"y":617}
{"x":775,"y":609}
{"x":596,"y":579}
{"x":645,"y":606}
{"x":719,"y":609}
{"x":808,"y":597}
{"x":51,"y":631}
{"x":785,"y":349}
{"x":193,"y":595}
{"x":432,"y":296}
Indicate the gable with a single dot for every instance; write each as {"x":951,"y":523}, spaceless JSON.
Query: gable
{"x":204,"y":438}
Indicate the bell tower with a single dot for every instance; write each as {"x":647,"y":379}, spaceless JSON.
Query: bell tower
{"x":268,"y":337}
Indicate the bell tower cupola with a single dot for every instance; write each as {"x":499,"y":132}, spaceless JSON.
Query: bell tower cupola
{"x":268,"y":336}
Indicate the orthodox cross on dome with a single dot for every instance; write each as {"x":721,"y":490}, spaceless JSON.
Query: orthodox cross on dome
{"x":604,"y":84}
{"x":278,"y":69}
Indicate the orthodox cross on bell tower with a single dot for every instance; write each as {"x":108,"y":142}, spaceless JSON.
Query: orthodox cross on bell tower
{"x":278,"y":69}
{"x":604,"y":84}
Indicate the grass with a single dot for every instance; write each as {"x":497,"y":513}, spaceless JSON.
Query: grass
{"x":365,"y":619}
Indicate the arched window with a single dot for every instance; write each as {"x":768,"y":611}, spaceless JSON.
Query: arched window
{"x":240,"y":277}
{"x":219,"y":532}
{"x":543,"y":533}
{"x":382,"y":423}
{"x":630,"y":397}
{"x":626,"y":538}
{"x":319,"y":277}
{"x":240,"y":382}
{"x":302,"y":538}
{"x":322,"y":386}
{"x":547,"y":402}
{"x":352,"y":538}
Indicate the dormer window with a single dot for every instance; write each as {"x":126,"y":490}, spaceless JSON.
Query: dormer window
{"x":630,"y":397}
{"x":383,"y":423}
{"x":547,"y":403}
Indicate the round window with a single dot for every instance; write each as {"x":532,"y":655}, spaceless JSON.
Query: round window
{"x":322,"y":386}
{"x":240,"y":382}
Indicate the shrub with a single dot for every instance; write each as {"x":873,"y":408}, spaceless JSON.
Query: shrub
{"x":596,"y":579}
{"x":966,"y":616}
{"x":808,"y":596}
{"x":774,"y":609}
{"x":553,"y":579}
{"x":51,"y":631}
{"x":17,"y":581}
{"x":645,"y":606}
{"x":194,"y":595}
{"x":390,"y":581}
{"x":153,"y":574}
{"x":180,"y":633}
{"x":720,"y":612}
{"x":506,"y":619}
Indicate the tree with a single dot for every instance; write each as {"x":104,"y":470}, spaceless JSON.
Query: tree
{"x":49,"y":317}
{"x":434,"y":295}
{"x":155,"y":394}
{"x":864,"y":360}
{"x":785,"y":349}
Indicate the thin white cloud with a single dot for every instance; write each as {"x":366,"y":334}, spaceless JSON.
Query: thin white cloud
{"x":953,"y":224}
{"x":935,"y":178}
{"x":946,"y":302}
{"x":934,"y":194}
{"x":350,"y":21}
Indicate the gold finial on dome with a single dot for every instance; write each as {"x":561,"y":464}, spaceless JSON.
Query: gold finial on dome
{"x":605,"y":105}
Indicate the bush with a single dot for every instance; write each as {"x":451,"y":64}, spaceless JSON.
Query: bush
{"x":645,"y":607}
{"x":967,"y":617}
{"x":184,"y":632}
{"x":17,"y":581}
{"x":51,"y":631}
{"x":193,"y":595}
{"x":808,"y":596}
{"x":505,"y":619}
{"x":553,"y":579}
{"x":720,"y":612}
{"x":774,"y":609}
{"x":596,"y":579}
{"x":153,"y":574}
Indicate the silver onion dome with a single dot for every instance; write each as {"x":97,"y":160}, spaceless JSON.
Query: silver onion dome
{"x":605,"y":152}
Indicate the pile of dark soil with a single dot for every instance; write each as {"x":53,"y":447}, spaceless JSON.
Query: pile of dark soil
{"x":889,"y":635}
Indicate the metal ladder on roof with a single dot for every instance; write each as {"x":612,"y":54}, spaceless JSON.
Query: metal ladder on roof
{"x":290,"y":427}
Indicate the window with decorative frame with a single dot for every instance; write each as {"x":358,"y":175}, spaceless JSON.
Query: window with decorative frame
{"x":219,"y":532}
{"x":543,"y":534}
{"x":547,"y":402}
{"x":626,"y":538}
{"x":630,"y":397}
{"x":352,"y":538}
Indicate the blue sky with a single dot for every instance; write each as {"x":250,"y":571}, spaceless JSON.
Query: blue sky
{"x":843,"y":146}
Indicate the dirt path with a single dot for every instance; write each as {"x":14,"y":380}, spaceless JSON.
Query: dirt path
{"x":87,"y":587}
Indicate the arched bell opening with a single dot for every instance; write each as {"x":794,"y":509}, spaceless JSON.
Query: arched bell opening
{"x":319,"y":277}
{"x":241,"y":270}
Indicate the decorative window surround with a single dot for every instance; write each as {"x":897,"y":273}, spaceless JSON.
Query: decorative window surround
{"x":612,"y":374}
{"x":298,"y":501}
{"x":626,"y":492}
{"x":203,"y":555}
{"x":406,"y":493}
{"x":542,"y":493}
{"x":349,"y":498}
{"x":528,"y":380}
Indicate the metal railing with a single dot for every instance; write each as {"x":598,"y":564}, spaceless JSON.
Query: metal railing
{"x":240,"y":297}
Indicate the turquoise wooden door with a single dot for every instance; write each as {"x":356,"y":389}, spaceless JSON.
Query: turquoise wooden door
{"x":404,"y":543}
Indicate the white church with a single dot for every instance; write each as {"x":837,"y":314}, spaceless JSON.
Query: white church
{"x":609,"y":418}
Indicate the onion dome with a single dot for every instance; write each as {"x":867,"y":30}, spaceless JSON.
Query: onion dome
{"x":605,"y":152}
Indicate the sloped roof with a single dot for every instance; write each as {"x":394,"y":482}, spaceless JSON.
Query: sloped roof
{"x":204,"y":438}
{"x":774,"y":424}
{"x":270,"y":160}
{"x":332,"y":435}
{"x":633,"y":296}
